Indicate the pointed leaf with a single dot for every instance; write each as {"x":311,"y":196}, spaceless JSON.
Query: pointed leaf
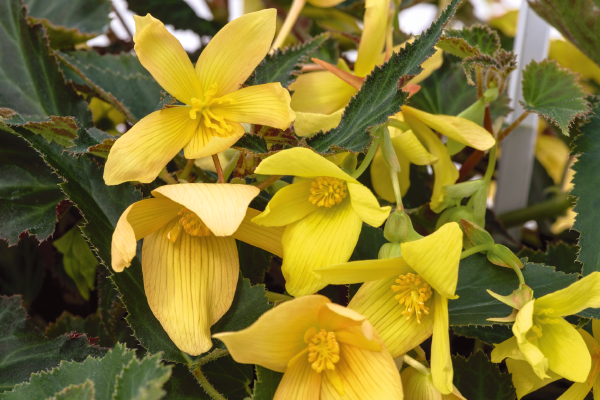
{"x":467,"y":42}
{"x":559,"y":255}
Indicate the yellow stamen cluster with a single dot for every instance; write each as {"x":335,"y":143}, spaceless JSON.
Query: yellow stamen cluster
{"x":538,"y":319}
{"x":190,"y":223}
{"x":414,"y":292}
{"x":203,"y":107}
{"x":323,"y":351}
{"x":327,"y":192}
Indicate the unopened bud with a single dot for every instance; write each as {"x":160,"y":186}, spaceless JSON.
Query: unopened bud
{"x":397,"y":227}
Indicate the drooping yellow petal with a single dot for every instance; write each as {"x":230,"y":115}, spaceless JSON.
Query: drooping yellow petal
{"x":565,"y":350}
{"x":320,"y":92}
{"x":441,"y":362}
{"x":507,"y":349}
{"x":366,"y":205}
{"x":406,"y":143}
{"x":376,"y":301}
{"x":334,"y":317}
{"x":266,"y":238}
{"x":436,"y":258}
{"x":164,"y":57}
{"x":267,"y":104}
{"x":361,"y":271}
{"x":373,"y":36}
{"x":277,"y":336}
{"x":308,"y":123}
{"x":577,"y":391}
{"x":142,"y":152}
{"x":365,"y":375}
{"x":524,"y":379}
{"x":235,"y":51}
{"x":529,"y":349}
{"x":459,"y":129}
{"x":301,"y":162}
{"x":138,"y":221}
{"x":206,"y":141}
{"x":381,"y":179}
{"x":420,"y":386}
{"x":572,"y":58}
{"x":325,"y":237}
{"x":553,"y":154}
{"x":356,"y":338}
{"x":300,"y":382}
{"x":325,"y":3}
{"x":221,"y":206}
{"x":289,"y":205}
{"x":189,"y":284}
{"x":578,"y":296}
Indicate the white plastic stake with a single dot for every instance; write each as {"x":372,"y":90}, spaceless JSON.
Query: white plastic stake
{"x":516,"y":161}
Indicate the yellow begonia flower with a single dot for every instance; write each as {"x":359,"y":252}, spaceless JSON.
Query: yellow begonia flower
{"x":326,"y":351}
{"x":189,"y":257}
{"x":406,"y":299}
{"x":545,"y":340}
{"x":322,"y":215}
{"x":214,"y":108}
{"x":419,"y":386}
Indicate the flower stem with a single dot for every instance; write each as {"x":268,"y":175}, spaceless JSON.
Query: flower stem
{"x":212,"y":356}
{"x":479,"y":74}
{"x":416,"y":365}
{"x":476,"y":249}
{"x":368,"y":157}
{"x":185,"y":174}
{"x":512,"y":126}
{"x":208,"y":388}
{"x":215,"y":158}
{"x":165,"y":176}
{"x":290,"y":20}
{"x":269,"y":181}
{"x":491,"y":164}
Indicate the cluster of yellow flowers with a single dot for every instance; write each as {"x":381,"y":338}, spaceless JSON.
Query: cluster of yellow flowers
{"x":190,"y":259}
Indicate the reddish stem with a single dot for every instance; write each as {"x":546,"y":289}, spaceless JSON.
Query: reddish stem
{"x":477,"y":155}
{"x":215,"y":158}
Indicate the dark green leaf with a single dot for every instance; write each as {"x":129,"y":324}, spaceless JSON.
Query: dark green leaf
{"x":496,"y":333}
{"x":266,"y":383}
{"x":109,"y":303}
{"x":183,"y":385}
{"x":469,"y":41}
{"x":381,"y":95}
{"x":142,"y":379}
{"x":253,"y":143}
{"x":284,"y":65}
{"x":369,"y":242}
{"x":254,"y":262}
{"x":83,"y":391}
{"x":560,"y":255}
{"x":586,"y":180}
{"x":230,"y":379}
{"x":24,"y":350}
{"x":553,"y":93}
{"x":478,"y":378}
{"x":21,"y":269}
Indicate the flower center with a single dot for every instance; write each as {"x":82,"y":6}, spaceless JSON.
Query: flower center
{"x":413,"y":293}
{"x":327,"y":192}
{"x":203,"y":107}
{"x":538,"y":320}
{"x":190,"y":223}
{"x":323,"y":350}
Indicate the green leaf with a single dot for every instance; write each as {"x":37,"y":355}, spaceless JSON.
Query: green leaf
{"x":478,"y":378}
{"x":120,"y":76}
{"x":253,"y":143}
{"x":183,"y":385}
{"x":24,"y":350}
{"x":83,"y":391}
{"x":496,"y":333}
{"x":380,"y":96}
{"x":36,"y":88}
{"x":553,"y":93}
{"x":586,"y":180}
{"x":559,"y":255}
{"x":22,"y":269}
{"x":369,"y":242}
{"x":29,"y":191}
{"x":578,"y":21}
{"x":266,"y":383}
{"x":109,"y":304}
{"x":177,"y":13}
{"x":476,"y":275}
{"x":467,"y":42}
{"x":117,"y":375}
{"x":284,"y":65}
{"x":78,"y":260}
{"x":254,"y":262}
{"x":502,"y":64}
{"x":230,"y":379}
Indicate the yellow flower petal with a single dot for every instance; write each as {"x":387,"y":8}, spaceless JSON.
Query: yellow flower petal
{"x":289,"y":205}
{"x":301,"y":162}
{"x":266,"y":238}
{"x":366,"y":205}
{"x":529,"y":350}
{"x":361,"y":271}
{"x":138,"y":221}
{"x":320,"y":92}
{"x":381,"y":179}
{"x":407,"y":144}
{"x":525,"y":380}
{"x":277,"y":336}
{"x":333,"y":317}
{"x":577,"y":391}
{"x":354,"y":337}
{"x":553,"y":154}
{"x":325,"y":3}
{"x":365,"y":375}
{"x":262,"y":104}
{"x":164,"y":57}
{"x":596,"y":329}
{"x":582,"y":294}
{"x":436,"y":258}
{"x":142,"y":152}
{"x":373,"y":36}
{"x":376,"y":301}
{"x":235,"y":51}
{"x":300,"y":382}
{"x":507,"y":349}
{"x":189,"y":284}
{"x":309,"y":123}
{"x":206,"y":141}
{"x":221,"y":206}
{"x":325,"y":237}
{"x":565,"y":350}
{"x":459,"y":129}
{"x":441,"y":362}
{"x":420,"y":386}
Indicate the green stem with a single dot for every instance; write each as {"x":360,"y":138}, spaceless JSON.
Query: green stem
{"x":398,"y":124}
{"x":517,"y":270}
{"x":476,"y":249}
{"x":512,"y":126}
{"x":273,"y":297}
{"x":289,"y":22}
{"x":213,"y":355}
{"x":368,"y":157}
{"x":208,"y":388}
{"x":269,"y":181}
{"x":230,"y":166}
{"x":556,"y":206}
{"x":165,"y":176}
{"x":397,"y":193}
{"x":185,"y":174}
{"x":416,"y":365}
{"x":491,"y":164}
